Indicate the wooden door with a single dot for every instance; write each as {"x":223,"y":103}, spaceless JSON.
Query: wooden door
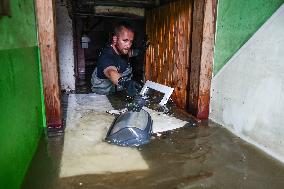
{"x":181,"y":51}
{"x":168,"y":58}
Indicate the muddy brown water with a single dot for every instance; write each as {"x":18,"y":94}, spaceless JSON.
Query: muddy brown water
{"x":204,"y":155}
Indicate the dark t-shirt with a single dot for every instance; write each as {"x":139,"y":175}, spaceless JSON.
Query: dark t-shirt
{"x":110,"y":58}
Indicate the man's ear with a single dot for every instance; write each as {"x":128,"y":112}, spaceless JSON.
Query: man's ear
{"x":114,"y":40}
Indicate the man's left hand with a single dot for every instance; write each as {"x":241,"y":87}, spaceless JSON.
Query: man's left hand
{"x":137,"y":103}
{"x":132,"y":87}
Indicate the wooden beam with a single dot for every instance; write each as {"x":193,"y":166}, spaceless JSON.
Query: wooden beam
{"x":207,"y":58}
{"x":197,"y":23}
{"x":127,"y":3}
{"x":45,"y":11}
{"x":116,"y":10}
{"x":204,"y":19}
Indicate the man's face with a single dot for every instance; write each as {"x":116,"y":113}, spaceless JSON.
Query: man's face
{"x":124,"y":41}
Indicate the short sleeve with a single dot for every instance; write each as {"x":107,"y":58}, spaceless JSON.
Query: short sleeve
{"x":103,"y":63}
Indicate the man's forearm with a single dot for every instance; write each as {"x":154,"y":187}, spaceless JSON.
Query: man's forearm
{"x":112,"y":74}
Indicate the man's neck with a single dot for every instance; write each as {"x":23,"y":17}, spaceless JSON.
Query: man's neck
{"x":115,"y":49}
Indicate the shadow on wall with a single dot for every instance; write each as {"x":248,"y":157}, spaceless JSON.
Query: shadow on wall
{"x":5,"y":8}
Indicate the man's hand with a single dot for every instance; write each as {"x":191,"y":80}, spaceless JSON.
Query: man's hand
{"x":132,"y":88}
{"x":137,"y":104}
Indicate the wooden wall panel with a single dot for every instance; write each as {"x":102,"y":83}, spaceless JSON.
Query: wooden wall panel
{"x":45,"y":11}
{"x":167,"y":59}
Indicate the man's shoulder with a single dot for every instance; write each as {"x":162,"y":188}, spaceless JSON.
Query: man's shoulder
{"x":107,"y":58}
{"x":107,"y":51}
{"x":106,"y":55}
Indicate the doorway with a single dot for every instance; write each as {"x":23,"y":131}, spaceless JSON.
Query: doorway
{"x":91,"y":35}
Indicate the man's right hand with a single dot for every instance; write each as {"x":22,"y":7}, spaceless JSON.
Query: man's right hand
{"x":132,"y":88}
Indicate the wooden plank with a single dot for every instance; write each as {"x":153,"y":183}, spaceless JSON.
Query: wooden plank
{"x":49,"y":61}
{"x":171,"y":44}
{"x":202,"y":57}
{"x":197,"y":34}
{"x":207,"y":58}
{"x":149,"y":50}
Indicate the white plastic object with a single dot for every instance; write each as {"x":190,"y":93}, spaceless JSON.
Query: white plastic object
{"x":158,"y":87}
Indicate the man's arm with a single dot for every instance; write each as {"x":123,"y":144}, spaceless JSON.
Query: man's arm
{"x":112,"y":74}
{"x":130,"y":86}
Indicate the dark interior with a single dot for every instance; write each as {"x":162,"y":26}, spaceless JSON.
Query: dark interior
{"x":99,"y":31}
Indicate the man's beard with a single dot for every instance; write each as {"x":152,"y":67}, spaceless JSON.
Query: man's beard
{"x":122,"y":51}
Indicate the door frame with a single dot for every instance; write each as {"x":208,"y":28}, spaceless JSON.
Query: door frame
{"x":46,"y":26}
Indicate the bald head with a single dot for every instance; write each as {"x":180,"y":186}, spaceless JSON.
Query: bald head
{"x":122,"y":26}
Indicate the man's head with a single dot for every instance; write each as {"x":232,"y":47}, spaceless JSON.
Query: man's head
{"x":123,"y":37}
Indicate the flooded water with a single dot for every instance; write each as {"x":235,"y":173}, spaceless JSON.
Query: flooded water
{"x":199,"y":155}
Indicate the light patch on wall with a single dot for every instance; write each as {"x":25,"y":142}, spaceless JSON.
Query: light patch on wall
{"x":65,"y":47}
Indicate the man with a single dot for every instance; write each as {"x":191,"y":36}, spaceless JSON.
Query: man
{"x":113,"y":71}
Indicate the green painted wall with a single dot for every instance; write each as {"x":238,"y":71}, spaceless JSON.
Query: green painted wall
{"x":237,"y":21}
{"x":21,"y":101}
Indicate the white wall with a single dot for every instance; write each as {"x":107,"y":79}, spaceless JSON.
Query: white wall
{"x":247,"y":95}
{"x":65,"y":46}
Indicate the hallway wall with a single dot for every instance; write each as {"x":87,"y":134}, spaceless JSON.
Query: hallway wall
{"x":21,"y":100}
{"x":248,"y":92}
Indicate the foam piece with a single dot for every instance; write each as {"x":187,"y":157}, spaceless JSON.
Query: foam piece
{"x":86,"y":152}
{"x":163,"y":122}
